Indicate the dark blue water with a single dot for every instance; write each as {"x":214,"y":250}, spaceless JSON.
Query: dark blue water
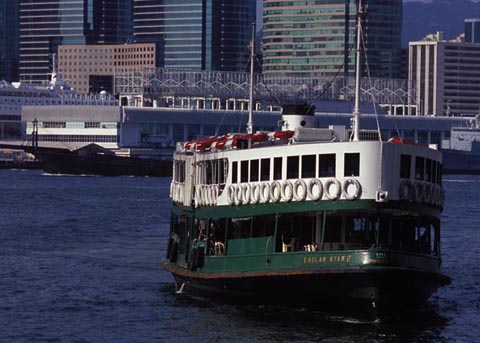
{"x":79,"y":262}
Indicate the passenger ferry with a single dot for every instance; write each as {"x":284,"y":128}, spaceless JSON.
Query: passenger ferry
{"x":326,"y":218}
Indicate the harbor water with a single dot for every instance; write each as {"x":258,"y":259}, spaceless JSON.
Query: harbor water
{"x":80,"y":262}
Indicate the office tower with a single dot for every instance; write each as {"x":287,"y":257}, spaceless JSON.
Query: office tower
{"x":197,"y":34}
{"x":317,"y":38}
{"x":446,"y":76}
{"x":91,"y":68}
{"x":472,"y":30}
{"x":9,"y":40}
{"x":46,"y":25}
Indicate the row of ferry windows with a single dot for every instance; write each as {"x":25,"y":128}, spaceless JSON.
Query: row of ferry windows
{"x":425,"y":169}
{"x":306,"y":166}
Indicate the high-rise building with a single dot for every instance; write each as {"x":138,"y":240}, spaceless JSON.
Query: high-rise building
{"x":197,"y":34}
{"x":91,"y":68}
{"x":446,"y":75}
{"x":44,"y":25}
{"x":472,"y":30}
{"x":9,"y":40}
{"x":317,"y":38}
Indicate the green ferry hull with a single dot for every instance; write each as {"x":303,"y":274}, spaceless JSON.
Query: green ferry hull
{"x":365,"y":291}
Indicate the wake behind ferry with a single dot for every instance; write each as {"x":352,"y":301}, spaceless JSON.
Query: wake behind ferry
{"x":328,"y":218}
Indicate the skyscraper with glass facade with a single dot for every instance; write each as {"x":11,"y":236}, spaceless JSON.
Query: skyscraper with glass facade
{"x":9,"y":40}
{"x":196,"y":34}
{"x":44,"y":25}
{"x":317,"y":38}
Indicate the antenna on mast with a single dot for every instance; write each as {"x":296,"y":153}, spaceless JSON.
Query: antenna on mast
{"x":356,"y":110}
{"x":252,"y":61}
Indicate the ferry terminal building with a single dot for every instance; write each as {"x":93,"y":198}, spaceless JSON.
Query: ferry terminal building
{"x":152,"y":128}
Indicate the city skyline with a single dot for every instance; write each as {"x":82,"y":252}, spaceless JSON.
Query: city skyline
{"x":102,"y":34}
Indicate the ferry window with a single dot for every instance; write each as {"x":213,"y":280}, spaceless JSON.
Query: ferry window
{"x":239,"y":228}
{"x":428,"y":170}
{"x":222,"y":170}
{"x":254,"y":170}
{"x":234,"y":172}
{"x":333,"y":233}
{"x":405,"y":164}
{"x":263,"y":226}
{"x":308,"y":166}
{"x":326,"y":165}
{"x":244,"y":171}
{"x":419,"y":168}
{"x":181,"y":175}
{"x":292,"y":167}
{"x":208,"y":172}
{"x":360,"y":232}
{"x":352,"y":165}
{"x":265,"y":169}
{"x":277,"y":168}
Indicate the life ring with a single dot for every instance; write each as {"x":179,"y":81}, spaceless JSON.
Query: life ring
{"x":311,"y":186}
{"x":231,"y":194}
{"x":197,"y":196}
{"x":328,"y":193}
{"x":238,"y":194}
{"x":172,"y":185}
{"x":255,"y":194}
{"x":358,"y":189}
{"x":180,"y":196}
{"x":213,"y":190}
{"x":406,"y":190}
{"x":417,"y":192}
{"x":246,"y":193}
{"x":427,"y":193}
{"x":208,"y":199}
{"x":299,"y":190}
{"x":200,"y":196}
{"x":287,"y":195}
{"x":275,"y":191}
{"x":264,"y":192}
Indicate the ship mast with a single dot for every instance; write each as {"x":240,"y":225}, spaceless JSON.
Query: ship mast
{"x":252,"y":63}
{"x":356,"y":110}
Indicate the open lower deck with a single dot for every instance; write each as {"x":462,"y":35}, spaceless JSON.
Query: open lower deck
{"x":304,"y":240}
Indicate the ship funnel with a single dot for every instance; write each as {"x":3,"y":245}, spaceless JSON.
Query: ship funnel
{"x":297,"y":116}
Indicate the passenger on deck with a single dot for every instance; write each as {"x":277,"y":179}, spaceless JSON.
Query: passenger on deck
{"x":211,"y":238}
{"x":202,"y":233}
